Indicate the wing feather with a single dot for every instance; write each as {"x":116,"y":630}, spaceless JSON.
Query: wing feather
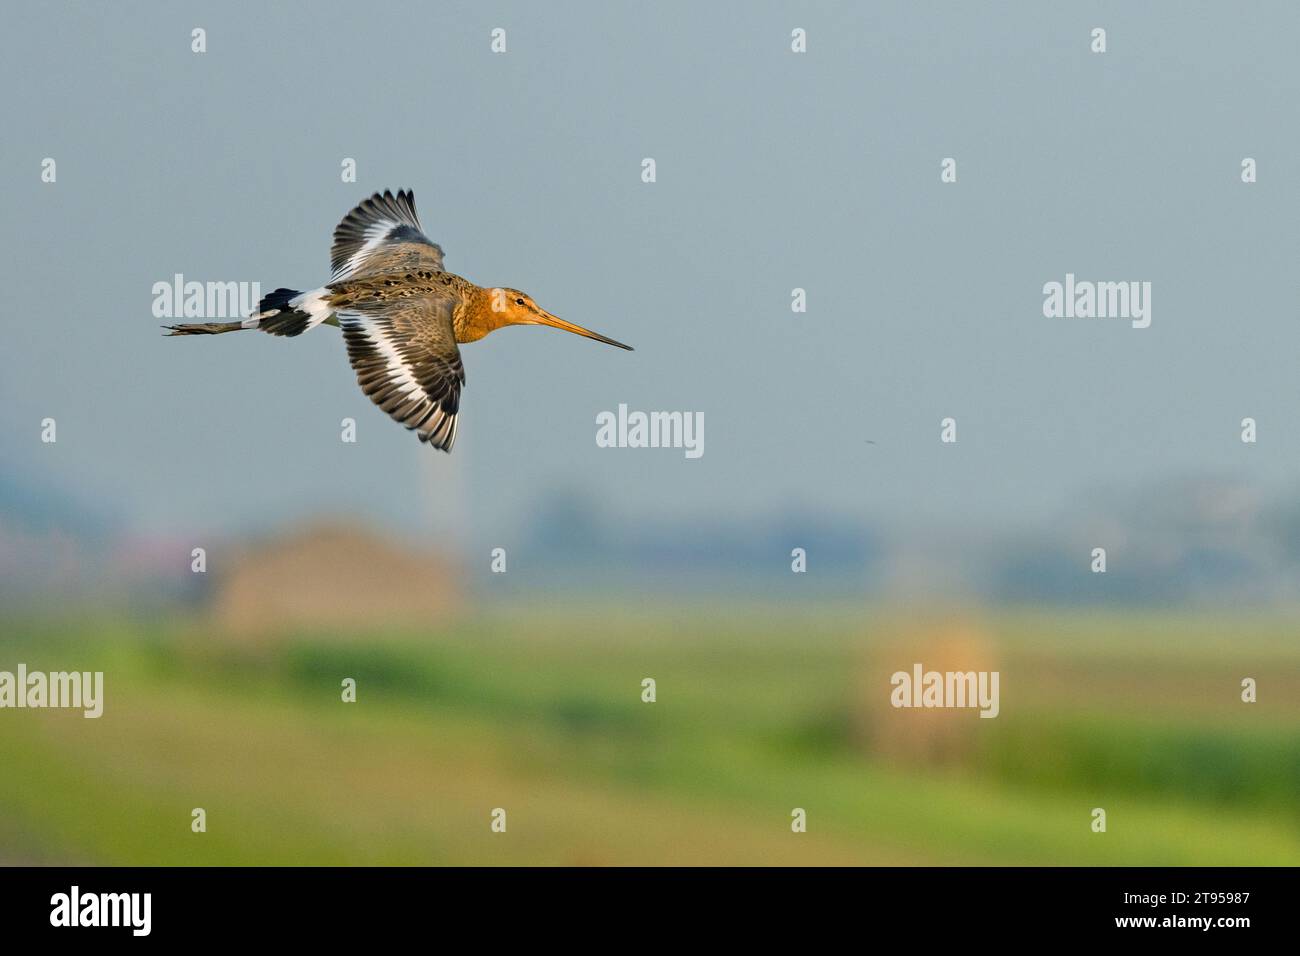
{"x":382,"y":234}
{"x":406,"y":359}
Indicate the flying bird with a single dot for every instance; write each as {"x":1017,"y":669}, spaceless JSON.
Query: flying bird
{"x":402,"y":315}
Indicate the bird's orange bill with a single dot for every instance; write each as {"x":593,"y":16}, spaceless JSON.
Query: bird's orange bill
{"x":545,"y":318}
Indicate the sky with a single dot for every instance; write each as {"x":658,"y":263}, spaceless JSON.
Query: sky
{"x":775,"y":170}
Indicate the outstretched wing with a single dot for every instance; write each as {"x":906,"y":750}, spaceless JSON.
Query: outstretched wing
{"x":405,"y":356}
{"x":382,"y":235}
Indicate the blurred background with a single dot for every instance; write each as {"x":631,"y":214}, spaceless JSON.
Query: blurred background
{"x":523,"y":690}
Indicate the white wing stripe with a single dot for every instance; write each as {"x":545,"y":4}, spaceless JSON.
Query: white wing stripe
{"x":398,"y":370}
{"x":376,"y":234}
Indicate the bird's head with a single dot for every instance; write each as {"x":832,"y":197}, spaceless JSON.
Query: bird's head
{"x":512,"y":307}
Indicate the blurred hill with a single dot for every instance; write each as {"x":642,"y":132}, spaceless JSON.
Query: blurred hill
{"x":573,"y":542}
{"x":1192,"y":541}
{"x":1182,"y":542}
{"x":51,"y":542}
{"x":1185,"y":541}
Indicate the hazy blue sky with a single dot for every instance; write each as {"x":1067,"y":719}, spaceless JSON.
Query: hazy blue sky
{"x":775,"y":170}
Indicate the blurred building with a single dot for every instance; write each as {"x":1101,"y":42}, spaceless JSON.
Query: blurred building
{"x":333,"y":577}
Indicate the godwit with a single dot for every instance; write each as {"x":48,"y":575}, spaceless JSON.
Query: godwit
{"x":401,"y":313}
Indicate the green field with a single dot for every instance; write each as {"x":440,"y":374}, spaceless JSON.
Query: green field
{"x":539,"y":712}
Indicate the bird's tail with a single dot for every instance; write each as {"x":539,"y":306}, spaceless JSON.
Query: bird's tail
{"x":204,"y":328}
{"x":277,"y":314}
{"x":282,"y":312}
{"x":285,"y":312}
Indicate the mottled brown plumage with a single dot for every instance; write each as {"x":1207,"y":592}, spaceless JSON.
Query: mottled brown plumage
{"x":401,"y":313}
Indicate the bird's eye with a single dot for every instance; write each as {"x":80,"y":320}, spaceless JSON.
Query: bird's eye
{"x":519,"y":301}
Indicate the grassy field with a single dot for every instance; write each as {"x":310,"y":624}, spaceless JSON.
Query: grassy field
{"x":539,"y":712}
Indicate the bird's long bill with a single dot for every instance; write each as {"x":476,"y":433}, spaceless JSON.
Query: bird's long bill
{"x":545,"y":318}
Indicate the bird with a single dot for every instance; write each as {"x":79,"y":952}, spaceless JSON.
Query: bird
{"x":402,"y":314}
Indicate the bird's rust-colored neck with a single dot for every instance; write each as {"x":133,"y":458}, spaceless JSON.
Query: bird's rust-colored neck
{"x":476,"y":318}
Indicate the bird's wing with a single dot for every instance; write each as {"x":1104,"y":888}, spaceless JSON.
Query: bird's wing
{"x":382,"y":235}
{"x":405,"y":356}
